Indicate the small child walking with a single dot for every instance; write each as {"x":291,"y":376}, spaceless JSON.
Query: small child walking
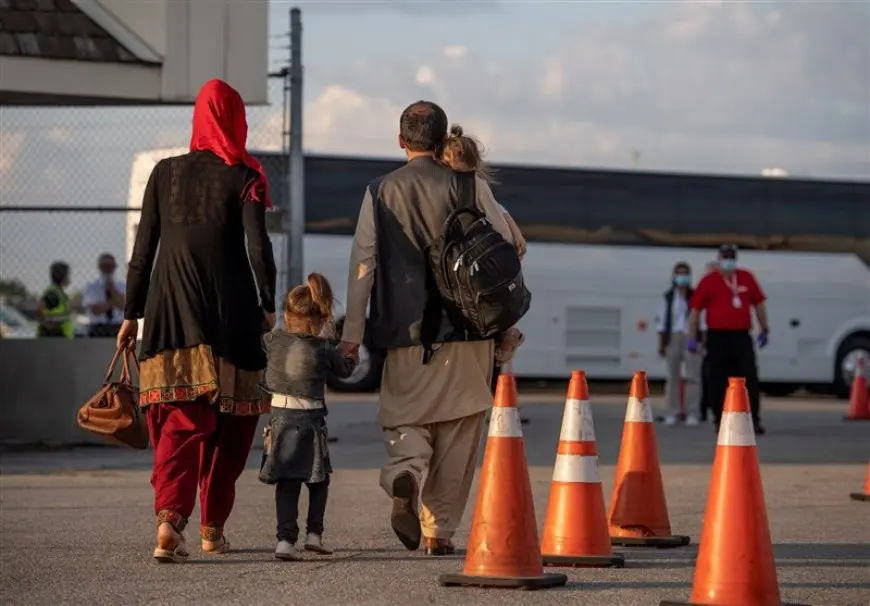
{"x":294,"y":449}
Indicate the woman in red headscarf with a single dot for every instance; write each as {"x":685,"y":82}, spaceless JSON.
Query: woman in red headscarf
{"x":201,"y":356}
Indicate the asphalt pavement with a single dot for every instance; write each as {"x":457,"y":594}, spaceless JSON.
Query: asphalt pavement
{"x":77,"y":524}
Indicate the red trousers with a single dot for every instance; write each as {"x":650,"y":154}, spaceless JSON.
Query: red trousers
{"x":195,"y":445}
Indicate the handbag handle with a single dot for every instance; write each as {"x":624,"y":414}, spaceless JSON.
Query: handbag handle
{"x":129,"y":354}
{"x":126,"y":378}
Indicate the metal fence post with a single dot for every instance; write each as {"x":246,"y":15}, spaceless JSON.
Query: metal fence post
{"x":296,"y":176}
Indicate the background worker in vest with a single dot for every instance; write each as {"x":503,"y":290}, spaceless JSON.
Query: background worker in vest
{"x":673,"y":325}
{"x":727,"y":296}
{"x":53,"y":314}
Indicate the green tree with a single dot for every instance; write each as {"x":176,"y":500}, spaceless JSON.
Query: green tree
{"x":14,"y":290}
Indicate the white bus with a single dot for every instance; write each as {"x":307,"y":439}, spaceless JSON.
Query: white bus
{"x":602,"y":245}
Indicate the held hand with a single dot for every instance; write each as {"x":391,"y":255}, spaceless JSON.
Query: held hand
{"x":127,"y":334}
{"x":693,"y":345}
{"x":349,"y":350}
{"x":521,"y":246}
{"x":519,"y":241}
{"x":270,"y":319}
{"x":661,"y":352}
{"x":762,"y":339}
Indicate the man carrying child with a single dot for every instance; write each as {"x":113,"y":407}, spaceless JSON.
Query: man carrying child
{"x":432,"y":414}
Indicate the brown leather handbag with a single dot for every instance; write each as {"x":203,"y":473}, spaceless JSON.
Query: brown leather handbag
{"x":113,"y":413}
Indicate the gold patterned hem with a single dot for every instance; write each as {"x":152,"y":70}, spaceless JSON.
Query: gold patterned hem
{"x":184,"y":375}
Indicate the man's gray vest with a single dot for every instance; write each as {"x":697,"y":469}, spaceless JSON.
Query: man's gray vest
{"x":409,"y":206}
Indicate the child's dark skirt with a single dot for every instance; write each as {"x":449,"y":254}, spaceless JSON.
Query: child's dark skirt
{"x":294,"y":448}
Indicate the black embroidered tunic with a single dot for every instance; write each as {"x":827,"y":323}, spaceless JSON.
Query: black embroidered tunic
{"x":196,"y":215}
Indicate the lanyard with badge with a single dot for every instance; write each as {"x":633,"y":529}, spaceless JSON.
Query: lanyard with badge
{"x":732,"y":284}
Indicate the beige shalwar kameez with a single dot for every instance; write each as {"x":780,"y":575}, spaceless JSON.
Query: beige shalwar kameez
{"x":432,"y":415}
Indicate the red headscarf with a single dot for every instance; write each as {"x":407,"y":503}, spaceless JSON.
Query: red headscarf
{"x":220,"y":126}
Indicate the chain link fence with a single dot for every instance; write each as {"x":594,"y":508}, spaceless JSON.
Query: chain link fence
{"x":69,"y":191}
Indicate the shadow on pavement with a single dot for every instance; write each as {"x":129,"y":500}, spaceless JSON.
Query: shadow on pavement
{"x":607,"y":585}
{"x":797,"y":434}
{"x":795,"y":437}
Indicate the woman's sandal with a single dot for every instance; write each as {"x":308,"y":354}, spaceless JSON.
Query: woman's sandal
{"x":171,"y":546}
{"x":221,"y":546}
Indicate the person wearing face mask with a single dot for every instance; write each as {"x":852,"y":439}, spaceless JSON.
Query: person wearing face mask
{"x":727,"y":296}
{"x":104,"y":299}
{"x":673,"y":324}
{"x":705,"y":363}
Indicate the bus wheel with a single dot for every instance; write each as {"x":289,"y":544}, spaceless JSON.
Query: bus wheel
{"x":853,"y":347}
{"x":367,"y":374}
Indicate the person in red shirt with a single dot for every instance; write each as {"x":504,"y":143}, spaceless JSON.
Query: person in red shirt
{"x":727,"y":297}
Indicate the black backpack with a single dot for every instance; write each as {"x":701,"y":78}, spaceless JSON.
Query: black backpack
{"x":476,"y":272}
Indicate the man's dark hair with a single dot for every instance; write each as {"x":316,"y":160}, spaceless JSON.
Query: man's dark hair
{"x":423,"y":127}
{"x":58,"y":272}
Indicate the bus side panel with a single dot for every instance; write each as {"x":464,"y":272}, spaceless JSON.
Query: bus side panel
{"x":543,"y":352}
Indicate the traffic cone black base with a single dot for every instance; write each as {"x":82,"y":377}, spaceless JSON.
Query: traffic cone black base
{"x":847,"y":418}
{"x":544,"y":581}
{"x":673,"y":603}
{"x":616,"y":560}
{"x":677,"y":540}
{"x":859,"y":496}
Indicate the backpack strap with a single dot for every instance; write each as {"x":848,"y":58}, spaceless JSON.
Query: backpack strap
{"x":466,"y":199}
{"x":466,"y":190}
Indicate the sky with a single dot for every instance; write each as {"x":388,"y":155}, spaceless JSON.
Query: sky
{"x":710,"y":86}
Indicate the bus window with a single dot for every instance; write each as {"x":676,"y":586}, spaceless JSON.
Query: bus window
{"x":801,"y":209}
{"x":621,"y":207}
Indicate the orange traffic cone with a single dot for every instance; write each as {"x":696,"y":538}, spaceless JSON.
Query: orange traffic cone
{"x":575,"y":529}
{"x":638,"y":509}
{"x":503,"y":549}
{"x":859,"y":398}
{"x":735,"y":563}
{"x":865,"y":496}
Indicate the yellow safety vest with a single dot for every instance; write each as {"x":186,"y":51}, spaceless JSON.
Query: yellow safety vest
{"x":58,"y":316}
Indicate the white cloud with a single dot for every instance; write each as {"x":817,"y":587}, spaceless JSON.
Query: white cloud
{"x":425,"y":75}
{"x":455,"y":52}
{"x":773,"y":18}
{"x":341,"y":120}
{"x":709,"y":86}
{"x":553,"y":78}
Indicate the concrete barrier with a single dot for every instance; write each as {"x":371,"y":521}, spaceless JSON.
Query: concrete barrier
{"x":43,"y":383}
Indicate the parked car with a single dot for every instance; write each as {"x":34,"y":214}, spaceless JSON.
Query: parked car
{"x":14,"y":324}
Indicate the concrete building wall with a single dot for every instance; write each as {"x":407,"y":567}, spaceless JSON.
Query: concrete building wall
{"x":160,"y":51}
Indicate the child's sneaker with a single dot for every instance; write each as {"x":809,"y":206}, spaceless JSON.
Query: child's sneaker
{"x":286,"y":551}
{"x":314,"y":542}
{"x":672,"y":420}
{"x":692,"y":420}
